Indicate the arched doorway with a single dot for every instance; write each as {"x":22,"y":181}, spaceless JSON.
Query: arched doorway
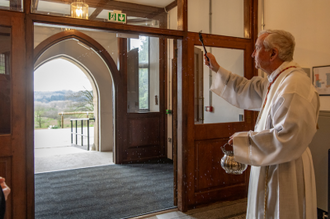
{"x":70,"y":45}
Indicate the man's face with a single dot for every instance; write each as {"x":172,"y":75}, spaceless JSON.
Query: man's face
{"x":260,"y":55}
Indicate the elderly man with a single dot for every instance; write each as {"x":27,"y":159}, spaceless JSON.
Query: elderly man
{"x":282,"y":182}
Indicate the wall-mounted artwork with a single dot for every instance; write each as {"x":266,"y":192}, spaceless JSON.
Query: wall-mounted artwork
{"x":321,"y":79}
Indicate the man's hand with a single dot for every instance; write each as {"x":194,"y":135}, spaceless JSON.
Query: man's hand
{"x":212,"y":62}
{"x":231,"y":140}
{"x":5,"y":188}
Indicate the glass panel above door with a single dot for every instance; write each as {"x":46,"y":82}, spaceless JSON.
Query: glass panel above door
{"x":157,"y":14}
{"x":12,"y":5}
{"x":220,"y":17}
{"x":209,"y":107}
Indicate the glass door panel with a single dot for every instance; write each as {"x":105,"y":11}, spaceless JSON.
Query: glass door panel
{"x":209,"y":107}
{"x":213,"y":17}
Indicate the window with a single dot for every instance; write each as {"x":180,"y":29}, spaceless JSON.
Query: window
{"x":138,"y":74}
{"x":4,"y":63}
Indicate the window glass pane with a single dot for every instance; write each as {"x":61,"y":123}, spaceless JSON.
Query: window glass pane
{"x":209,"y":107}
{"x":5,"y":50}
{"x":213,"y":17}
{"x":143,"y":89}
{"x":3,"y":63}
{"x":157,"y":14}
{"x":143,"y":74}
{"x":13,"y":5}
{"x":5,"y":82}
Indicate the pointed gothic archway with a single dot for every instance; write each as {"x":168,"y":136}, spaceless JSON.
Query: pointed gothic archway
{"x":100,"y":69}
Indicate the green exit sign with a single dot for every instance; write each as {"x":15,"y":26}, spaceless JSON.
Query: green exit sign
{"x":117,"y":17}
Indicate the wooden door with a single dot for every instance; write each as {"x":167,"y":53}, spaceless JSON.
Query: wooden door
{"x":140,"y":133}
{"x":199,"y":144}
{"x":13,"y":111}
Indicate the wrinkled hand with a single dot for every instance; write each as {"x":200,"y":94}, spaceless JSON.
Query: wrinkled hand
{"x":231,"y":140}
{"x":212,"y":62}
{"x":5,"y":188}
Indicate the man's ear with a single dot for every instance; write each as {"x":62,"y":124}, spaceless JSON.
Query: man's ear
{"x":274,"y":54}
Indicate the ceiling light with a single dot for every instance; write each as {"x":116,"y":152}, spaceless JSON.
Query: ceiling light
{"x":79,"y":9}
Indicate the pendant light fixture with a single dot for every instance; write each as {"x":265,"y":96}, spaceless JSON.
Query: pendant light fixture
{"x":79,"y":9}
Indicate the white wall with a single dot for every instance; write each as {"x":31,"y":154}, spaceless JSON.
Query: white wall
{"x":309,"y":22}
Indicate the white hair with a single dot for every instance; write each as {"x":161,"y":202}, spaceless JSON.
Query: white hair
{"x":282,"y":40}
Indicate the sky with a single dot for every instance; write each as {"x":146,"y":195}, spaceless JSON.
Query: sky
{"x":60,"y":74}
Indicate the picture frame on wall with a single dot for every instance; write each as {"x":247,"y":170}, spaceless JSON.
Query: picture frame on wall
{"x":321,"y":79}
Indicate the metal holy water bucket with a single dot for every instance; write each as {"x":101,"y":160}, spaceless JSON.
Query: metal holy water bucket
{"x":229,"y":164}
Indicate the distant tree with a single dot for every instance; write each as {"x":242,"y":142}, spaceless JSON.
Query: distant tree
{"x":85,"y":102}
{"x":144,"y":73}
{"x":39,"y":112}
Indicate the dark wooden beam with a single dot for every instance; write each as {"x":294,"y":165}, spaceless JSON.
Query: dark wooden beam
{"x":247,"y":18}
{"x":171,"y":6}
{"x":182,"y":15}
{"x":99,"y":9}
{"x":95,"y":13}
{"x":149,"y":31}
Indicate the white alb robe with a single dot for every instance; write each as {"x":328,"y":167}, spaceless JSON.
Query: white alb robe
{"x":283,"y":131}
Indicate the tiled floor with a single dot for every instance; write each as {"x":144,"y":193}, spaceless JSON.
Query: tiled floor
{"x":222,"y":210}
{"x":53,"y":152}
{"x":67,"y":157}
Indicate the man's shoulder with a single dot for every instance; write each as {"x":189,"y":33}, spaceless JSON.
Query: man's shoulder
{"x":298,"y":76}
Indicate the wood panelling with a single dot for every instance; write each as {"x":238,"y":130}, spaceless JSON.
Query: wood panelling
{"x":5,"y":168}
{"x":5,"y":145}
{"x":144,"y":132}
{"x":208,"y":171}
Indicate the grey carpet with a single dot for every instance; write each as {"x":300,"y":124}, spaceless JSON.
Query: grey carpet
{"x":109,"y":192}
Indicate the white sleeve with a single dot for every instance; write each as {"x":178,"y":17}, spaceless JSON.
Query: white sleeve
{"x":294,"y":117}
{"x":239,"y":91}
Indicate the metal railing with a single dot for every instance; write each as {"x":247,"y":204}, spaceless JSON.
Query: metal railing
{"x":74,"y":135}
{"x":72,"y":113}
